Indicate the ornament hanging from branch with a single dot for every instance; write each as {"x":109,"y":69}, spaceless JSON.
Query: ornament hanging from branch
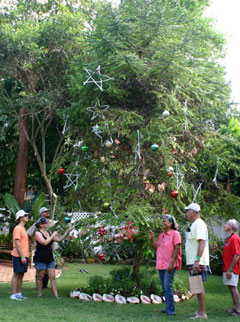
{"x":137,"y":149}
{"x":154,"y":147}
{"x":60,"y":171}
{"x":165,"y":113}
{"x":97,"y":110}
{"x":98,"y":79}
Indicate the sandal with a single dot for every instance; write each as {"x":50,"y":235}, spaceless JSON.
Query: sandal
{"x":232,"y":310}
{"x":235,"y":313}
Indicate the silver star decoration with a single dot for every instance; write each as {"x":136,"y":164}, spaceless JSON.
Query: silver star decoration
{"x":95,"y":110}
{"x":102,"y":78}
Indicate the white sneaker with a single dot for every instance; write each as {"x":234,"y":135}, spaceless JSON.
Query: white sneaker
{"x":21,"y":296}
{"x":15,"y":297}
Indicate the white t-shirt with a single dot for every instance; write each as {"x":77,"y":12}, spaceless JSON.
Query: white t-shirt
{"x":198,"y":231}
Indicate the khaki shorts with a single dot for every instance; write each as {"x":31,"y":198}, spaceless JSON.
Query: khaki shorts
{"x":233,"y":281}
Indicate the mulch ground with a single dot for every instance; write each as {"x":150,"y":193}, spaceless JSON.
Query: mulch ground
{"x":6,"y":272}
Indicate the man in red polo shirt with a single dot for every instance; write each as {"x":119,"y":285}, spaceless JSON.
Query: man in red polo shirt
{"x":231,"y":264}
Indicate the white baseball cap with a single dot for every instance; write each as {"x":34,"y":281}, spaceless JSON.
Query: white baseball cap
{"x":193,"y":206}
{"x":42,"y":210}
{"x":20,"y":213}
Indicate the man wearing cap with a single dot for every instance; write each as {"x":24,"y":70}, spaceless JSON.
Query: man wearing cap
{"x":197,"y":252}
{"x":20,"y":255}
{"x":43,"y":212}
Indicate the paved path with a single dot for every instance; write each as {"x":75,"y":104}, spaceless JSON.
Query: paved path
{"x":6,"y":271}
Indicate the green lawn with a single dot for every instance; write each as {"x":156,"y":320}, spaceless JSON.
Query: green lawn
{"x":68,"y":309}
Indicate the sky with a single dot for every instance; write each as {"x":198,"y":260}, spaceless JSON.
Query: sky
{"x":226,"y":13}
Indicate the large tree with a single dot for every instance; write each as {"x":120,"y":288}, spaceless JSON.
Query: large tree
{"x":163,"y":56}
{"x":37,"y":43}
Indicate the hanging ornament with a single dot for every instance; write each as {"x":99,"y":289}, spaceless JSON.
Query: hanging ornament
{"x":170,"y":172}
{"x":84,"y":148}
{"x":154,"y":147}
{"x":102,"y":257}
{"x":106,"y":205}
{"x":95,"y":154}
{"x":102,"y":159}
{"x":117,"y":141}
{"x":165,"y":113}
{"x":108,"y":144}
{"x":194,"y":151}
{"x":60,"y":171}
{"x":67,"y":219}
{"x":101,"y":231}
{"x":161,"y":186}
{"x":174,"y":193}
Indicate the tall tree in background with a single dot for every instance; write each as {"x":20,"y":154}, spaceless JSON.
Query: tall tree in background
{"x":37,"y":43}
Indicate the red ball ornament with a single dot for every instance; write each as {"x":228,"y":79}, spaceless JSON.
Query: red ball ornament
{"x":174,"y":193}
{"x":60,"y":171}
{"x":102,"y":257}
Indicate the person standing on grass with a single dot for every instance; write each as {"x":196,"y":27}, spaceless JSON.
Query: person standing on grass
{"x":197,"y":252}
{"x":43,"y":212}
{"x":43,"y":259}
{"x":169,"y":258}
{"x":20,"y":255}
{"x":231,"y":264}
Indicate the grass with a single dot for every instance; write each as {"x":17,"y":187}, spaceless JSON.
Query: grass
{"x":67,"y":309}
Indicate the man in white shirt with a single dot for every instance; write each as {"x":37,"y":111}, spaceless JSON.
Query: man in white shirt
{"x":197,"y":252}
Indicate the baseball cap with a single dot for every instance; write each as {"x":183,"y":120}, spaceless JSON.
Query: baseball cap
{"x":193,"y":206}
{"x":42,"y":210}
{"x":42,"y":220}
{"x":20,"y":213}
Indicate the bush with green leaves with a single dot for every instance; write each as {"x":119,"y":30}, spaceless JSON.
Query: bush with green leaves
{"x":121,"y":282}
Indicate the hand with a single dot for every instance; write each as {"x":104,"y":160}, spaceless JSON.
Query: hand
{"x":150,"y":235}
{"x":170,"y":269}
{"x":23,"y":260}
{"x":228,"y":275}
{"x":69,"y":230}
{"x":55,"y":233}
{"x":196,"y":267}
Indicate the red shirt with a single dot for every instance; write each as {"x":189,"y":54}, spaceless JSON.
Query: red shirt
{"x":231,"y":248}
{"x":165,"y":249}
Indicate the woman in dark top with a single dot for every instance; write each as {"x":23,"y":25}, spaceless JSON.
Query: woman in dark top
{"x":43,"y":259}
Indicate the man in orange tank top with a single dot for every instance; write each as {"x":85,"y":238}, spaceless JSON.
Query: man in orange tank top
{"x":20,"y":255}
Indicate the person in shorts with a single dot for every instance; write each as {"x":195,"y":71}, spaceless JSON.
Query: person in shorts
{"x":231,"y":264}
{"x":43,"y":212}
{"x":197,"y":252}
{"x":43,"y":259}
{"x":20,"y":254}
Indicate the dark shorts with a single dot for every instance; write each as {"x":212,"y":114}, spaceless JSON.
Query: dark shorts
{"x":41,"y":266}
{"x":18,"y":266}
{"x":203,"y":271}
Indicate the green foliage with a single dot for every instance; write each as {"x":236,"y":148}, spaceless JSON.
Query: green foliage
{"x":121,"y":282}
{"x":11,"y":203}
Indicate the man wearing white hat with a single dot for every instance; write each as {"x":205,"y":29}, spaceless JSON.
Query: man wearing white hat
{"x":20,"y":255}
{"x":197,"y":252}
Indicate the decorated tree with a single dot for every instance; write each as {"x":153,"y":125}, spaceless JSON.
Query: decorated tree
{"x":146,"y":104}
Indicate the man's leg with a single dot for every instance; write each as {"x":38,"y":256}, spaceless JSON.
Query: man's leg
{"x":14,"y":283}
{"x":235,"y":297}
{"x":19,"y":282}
{"x":201,"y":303}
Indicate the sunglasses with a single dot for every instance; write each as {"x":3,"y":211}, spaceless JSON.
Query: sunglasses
{"x":168,"y":217}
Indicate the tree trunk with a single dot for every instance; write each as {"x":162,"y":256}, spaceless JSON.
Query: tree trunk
{"x":22,"y":159}
{"x":137,"y":264}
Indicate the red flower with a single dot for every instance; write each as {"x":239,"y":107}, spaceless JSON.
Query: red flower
{"x":101,"y":231}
